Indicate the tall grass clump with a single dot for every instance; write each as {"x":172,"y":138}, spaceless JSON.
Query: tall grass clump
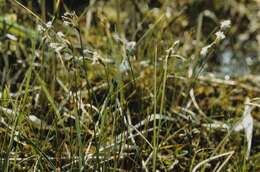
{"x":129,"y":86}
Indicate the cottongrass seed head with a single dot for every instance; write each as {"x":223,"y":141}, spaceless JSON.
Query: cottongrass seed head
{"x":225,"y":24}
{"x":220,"y":35}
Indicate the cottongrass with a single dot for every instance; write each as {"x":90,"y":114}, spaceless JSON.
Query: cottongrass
{"x":204,"y":50}
{"x":220,"y":35}
{"x":225,"y":24}
{"x":40,"y":28}
{"x":49,"y":24}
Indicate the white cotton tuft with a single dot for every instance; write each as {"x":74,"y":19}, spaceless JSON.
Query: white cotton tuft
{"x":204,"y":50}
{"x":225,"y":24}
{"x":220,"y":35}
{"x":49,"y":24}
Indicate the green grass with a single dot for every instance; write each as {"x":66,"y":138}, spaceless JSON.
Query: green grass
{"x":125,"y":86}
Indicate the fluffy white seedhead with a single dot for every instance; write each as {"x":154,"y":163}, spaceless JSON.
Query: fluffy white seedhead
{"x":40,"y":28}
{"x":220,"y":35}
{"x":225,"y":24}
{"x":130,"y":46}
{"x":204,"y":50}
{"x":70,"y":19}
{"x":49,"y":24}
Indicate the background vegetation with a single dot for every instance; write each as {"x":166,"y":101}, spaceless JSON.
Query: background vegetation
{"x":129,"y":85}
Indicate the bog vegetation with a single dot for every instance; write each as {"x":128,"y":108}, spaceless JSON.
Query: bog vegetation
{"x":130,"y":85}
